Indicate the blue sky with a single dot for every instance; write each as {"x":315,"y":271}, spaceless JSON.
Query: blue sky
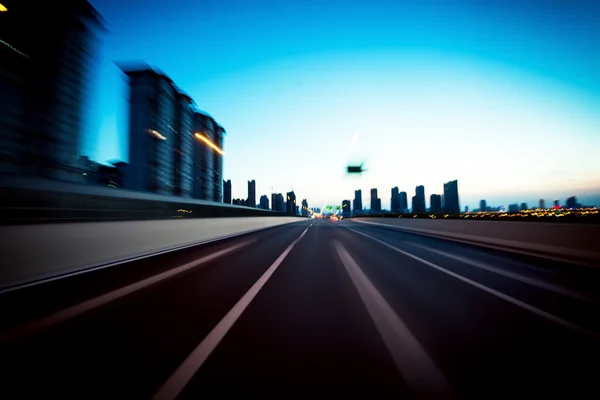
{"x":503,"y":96}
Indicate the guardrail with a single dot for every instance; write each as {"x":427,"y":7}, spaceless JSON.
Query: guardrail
{"x":574,"y":243}
{"x":32,"y":200}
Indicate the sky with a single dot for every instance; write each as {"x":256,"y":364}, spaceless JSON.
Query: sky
{"x":502,"y":95}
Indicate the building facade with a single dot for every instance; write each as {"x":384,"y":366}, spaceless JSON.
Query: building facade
{"x":357,"y":205}
{"x":291,"y":203}
{"x":264,"y":202}
{"x":44,"y":80}
{"x":227,"y":191}
{"x":451,"y":202}
{"x":251,"y":200}
{"x":435,"y":201}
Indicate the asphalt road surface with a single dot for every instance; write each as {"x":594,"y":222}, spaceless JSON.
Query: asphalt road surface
{"x":316,"y":308}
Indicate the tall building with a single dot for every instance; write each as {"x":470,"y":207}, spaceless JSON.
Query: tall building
{"x":435,"y":204}
{"x":403,"y":202}
{"x":264,"y":202}
{"x":451,"y":203}
{"x":291,"y":203}
{"x":375,"y":201}
{"x":277,"y":203}
{"x":183,"y":137}
{"x":227,"y":191}
{"x":153,"y":99}
{"x":556,"y":204}
{"x":482,"y":205}
{"x":208,"y":171}
{"x":44,"y":81}
{"x":218,"y":165}
{"x":524,"y":206}
{"x":395,"y":200}
{"x":357,"y":205}
{"x":542,"y":204}
{"x":252,"y":193}
{"x":346,"y":211}
{"x":419,"y":202}
{"x":572,"y":202}
{"x":305,"y":211}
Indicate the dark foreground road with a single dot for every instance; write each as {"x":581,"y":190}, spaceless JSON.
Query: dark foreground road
{"x":315,"y":308}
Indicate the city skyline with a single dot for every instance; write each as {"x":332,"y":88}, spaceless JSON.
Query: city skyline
{"x":532,"y":105}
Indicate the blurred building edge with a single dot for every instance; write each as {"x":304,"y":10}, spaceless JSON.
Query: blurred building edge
{"x":111,"y":175}
{"x":167,"y":149}
{"x":48,"y":54}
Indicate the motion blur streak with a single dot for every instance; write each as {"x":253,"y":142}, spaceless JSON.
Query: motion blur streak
{"x":334,"y":310}
{"x":112,"y":296}
{"x":176,"y":382}
{"x":510,"y":299}
{"x":419,"y":371}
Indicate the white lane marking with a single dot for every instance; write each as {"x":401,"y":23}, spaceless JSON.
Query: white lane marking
{"x":96,"y":302}
{"x":532,"y":253}
{"x":489,"y":290}
{"x":418,"y":369}
{"x":534,"y":282}
{"x":185,"y":372}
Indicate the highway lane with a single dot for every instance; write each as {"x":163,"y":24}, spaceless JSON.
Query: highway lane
{"x":315,"y":305}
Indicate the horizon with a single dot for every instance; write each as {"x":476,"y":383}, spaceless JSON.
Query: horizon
{"x":305,"y":90}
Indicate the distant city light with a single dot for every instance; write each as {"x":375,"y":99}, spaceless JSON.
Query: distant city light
{"x":3,"y":8}
{"x":208,"y":142}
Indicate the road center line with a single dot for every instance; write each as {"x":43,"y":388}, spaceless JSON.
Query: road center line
{"x":489,"y":290}
{"x":88,"y":305}
{"x":418,"y":369}
{"x":185,"y":372}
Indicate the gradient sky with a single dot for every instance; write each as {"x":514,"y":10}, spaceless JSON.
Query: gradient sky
{"x":502,"y":95}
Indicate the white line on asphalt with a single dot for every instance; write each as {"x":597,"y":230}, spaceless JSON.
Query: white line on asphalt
{"x":96,"y":302}
{"x":418,"y":369}
{"x":531,"y":253}
{"x":489,"y":290}
{"x":184,"y":373}
{"x":508,"y":274}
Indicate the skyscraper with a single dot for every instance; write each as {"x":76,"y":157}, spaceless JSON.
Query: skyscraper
{"x":375,"y":201}
{"x":252,"y":193}
{"x":218,"y":165}
{"x":346,"y":211}
{"x":227,"y":191}
{"x":403,"y":202}
{"x":208,"y":171}
{"x":277,"y":203}
{"x":419,"y":202}
{"x":152,"y":107}
{"x":357,"y":205}
{"x":395,"y":200}
{"x":542,"y":204}
{"x":305,"y":211}
{"x":291,"y":203}
{"x":183,"y":138}
{"x":435,"y":203}
{"x":44,"y":81}
{"x":482,"y":205}
{"x":451,"y":204}
{"x":264,"y":202}
{"x":572,"y":202}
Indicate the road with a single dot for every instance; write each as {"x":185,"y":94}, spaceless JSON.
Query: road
{"x":311,"y":308}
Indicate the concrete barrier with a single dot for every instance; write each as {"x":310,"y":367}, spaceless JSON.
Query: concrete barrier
{"x":575,"y":243}
{"x":31,"y":252}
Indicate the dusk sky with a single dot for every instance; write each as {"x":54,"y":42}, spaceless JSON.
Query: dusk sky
{"x":502,"y":95}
